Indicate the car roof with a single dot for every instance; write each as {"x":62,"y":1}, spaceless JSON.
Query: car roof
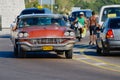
{"x":107,"y":6}
{"x":35,"y":11}
{"x":41,"y":15}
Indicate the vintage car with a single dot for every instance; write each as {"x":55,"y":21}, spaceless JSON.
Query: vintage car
{"x":42,"y":32}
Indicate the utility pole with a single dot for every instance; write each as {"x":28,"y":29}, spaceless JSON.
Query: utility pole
{"x":51,"y":1}
{"x":40,"y":2}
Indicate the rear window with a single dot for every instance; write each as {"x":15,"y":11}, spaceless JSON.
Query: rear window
{"x":114,"y":23}
{"x":110,"y":12}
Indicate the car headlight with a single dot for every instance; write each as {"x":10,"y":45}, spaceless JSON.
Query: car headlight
{"x":66,"y":33}
{"x":23,"y":35}
{"x":72,"y":34}
{"x":26,"y":35}
{"x":20,"y":35}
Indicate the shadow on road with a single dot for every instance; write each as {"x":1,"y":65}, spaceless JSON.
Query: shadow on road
{"x":81,"y":46}
{"x":33,"y":55}
{"x":91,"y":50}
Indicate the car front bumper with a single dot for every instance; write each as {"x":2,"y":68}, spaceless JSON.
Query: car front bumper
{"x":39,"y":47}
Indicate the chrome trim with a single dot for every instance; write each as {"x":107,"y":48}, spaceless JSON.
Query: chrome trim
{"x":36,"y":45}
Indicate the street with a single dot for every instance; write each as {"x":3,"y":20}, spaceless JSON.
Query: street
{"x":85,"y":65}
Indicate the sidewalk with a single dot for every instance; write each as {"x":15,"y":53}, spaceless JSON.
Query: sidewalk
{"x":5,"y":33}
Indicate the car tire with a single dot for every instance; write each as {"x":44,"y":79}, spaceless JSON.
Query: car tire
{"x":21,"y":52}
{"x":98,"y":50}
{"x":104,"y":51}
{"x":15,"y":48}
{"x":79,"y":38}
{"x":69,"y":54}
{"x":16,"y":51}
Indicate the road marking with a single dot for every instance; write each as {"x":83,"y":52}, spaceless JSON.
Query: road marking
{"x":80,"y":58}
{"x":96,"y":62}
{"x":99,"y":64}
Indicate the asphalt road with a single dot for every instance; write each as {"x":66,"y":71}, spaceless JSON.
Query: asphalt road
{"x":85,"y":65}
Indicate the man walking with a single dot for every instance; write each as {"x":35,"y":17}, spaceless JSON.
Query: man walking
{"x":92,"y":28}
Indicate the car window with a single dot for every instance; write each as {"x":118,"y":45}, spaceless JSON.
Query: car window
{"x":40,"y":21}
{"x":110,"y":12}
{"x":114,"y":23}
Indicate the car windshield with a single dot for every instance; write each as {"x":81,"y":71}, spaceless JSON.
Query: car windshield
{"x":114,"y":23}
{"x":86,"y":13}
{"x":40,"y":21}
{"x":110,"y":12}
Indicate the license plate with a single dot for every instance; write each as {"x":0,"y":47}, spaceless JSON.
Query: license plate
{"x":47,"y":47}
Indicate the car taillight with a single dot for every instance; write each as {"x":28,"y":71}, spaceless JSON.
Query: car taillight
{"x":110,"y":34}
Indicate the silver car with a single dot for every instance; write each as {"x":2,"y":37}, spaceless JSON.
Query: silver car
{"x":109,"y":37}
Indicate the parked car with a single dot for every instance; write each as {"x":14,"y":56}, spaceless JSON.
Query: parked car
{"x":110,"y":36}
{"x":107,"y":12}
{"x":42,"y":32}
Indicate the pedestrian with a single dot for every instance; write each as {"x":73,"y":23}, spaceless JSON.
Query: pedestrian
{"x":81,"y":21}
{"x":93,"y":28}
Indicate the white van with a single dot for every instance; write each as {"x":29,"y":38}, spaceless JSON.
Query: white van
{"x":108,"y":11}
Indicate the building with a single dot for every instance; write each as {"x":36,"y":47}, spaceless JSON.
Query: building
{"x":9,"y":9}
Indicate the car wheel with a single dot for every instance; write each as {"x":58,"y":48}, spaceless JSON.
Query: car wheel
{"x":98,"y":50}
{"x":79,"y":38}
{"x":69,"y":54}
{"x":16,"y":51}
{"x":21,"y":52}
{"x":104,"y":51}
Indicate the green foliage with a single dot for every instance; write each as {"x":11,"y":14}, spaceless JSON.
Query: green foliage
{"x":64,"y":6}
{"x":32,"y":4}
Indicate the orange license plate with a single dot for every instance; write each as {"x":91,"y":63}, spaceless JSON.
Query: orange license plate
{"x":47,"y":47}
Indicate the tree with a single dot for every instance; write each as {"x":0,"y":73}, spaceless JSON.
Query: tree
{"x":64,"y":5}
{"x":31,"y":4}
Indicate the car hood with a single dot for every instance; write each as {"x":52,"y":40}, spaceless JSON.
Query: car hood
{"x":44,"y":31}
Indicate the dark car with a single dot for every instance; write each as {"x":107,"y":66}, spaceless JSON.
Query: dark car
{"x":110,"y":37}
{"x":74,"y":14}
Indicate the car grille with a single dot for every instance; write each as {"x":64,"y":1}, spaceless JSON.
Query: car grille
{"x":49,"y":41}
